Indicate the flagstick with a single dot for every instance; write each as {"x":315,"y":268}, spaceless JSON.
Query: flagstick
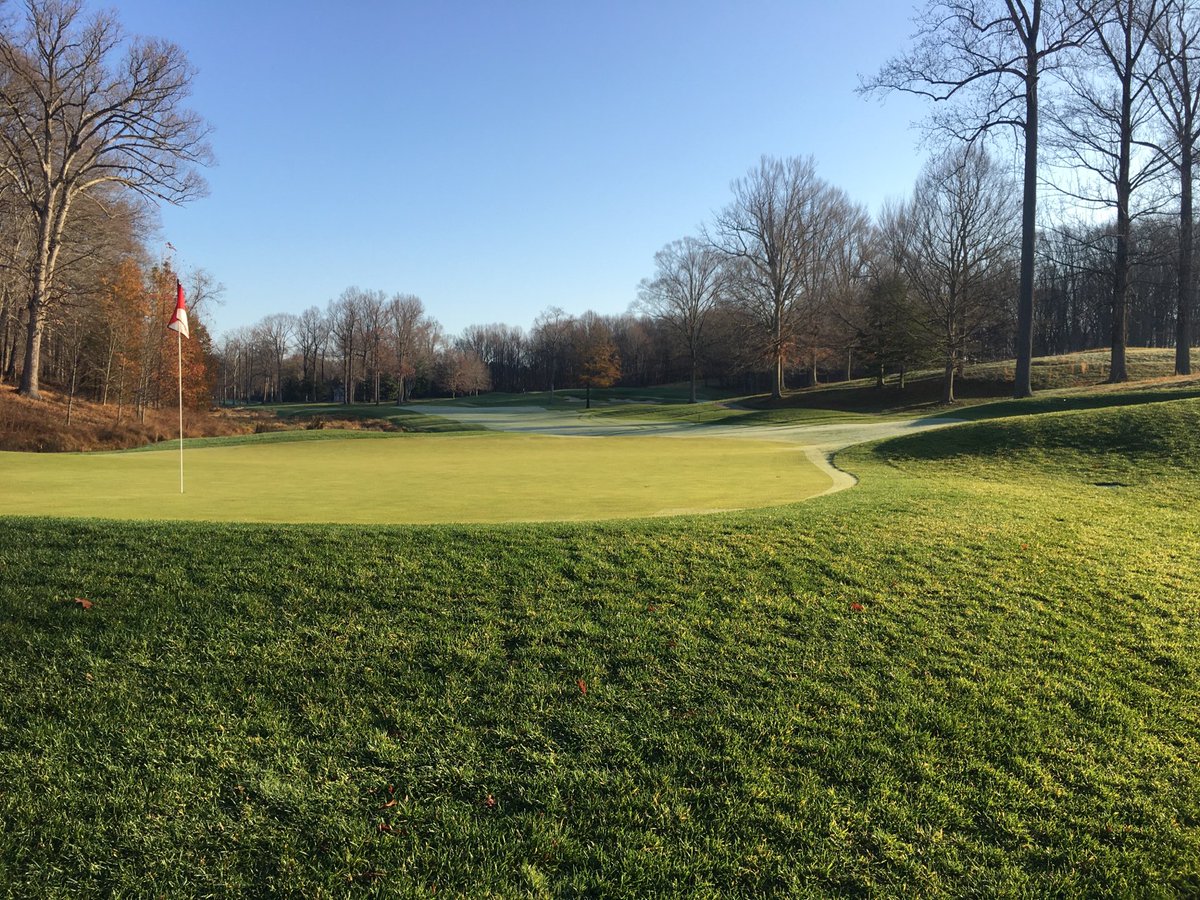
{"x":179,"y":341}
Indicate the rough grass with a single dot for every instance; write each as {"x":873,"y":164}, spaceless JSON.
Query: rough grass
{"x":360,"y":415}
{"x":973,"y":675}
{"x":41,"y":425}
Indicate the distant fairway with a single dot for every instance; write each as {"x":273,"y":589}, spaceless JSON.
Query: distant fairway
{"x":416,"y":479}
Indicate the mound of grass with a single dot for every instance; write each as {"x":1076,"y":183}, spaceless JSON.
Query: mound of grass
{"x":976,"y":683}
{"x":724,"y":413}
{"x":1128,"y":446}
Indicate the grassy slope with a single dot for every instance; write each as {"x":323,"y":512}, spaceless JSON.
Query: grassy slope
{"x":1015,"y":708}
{"x":1062,"y":382}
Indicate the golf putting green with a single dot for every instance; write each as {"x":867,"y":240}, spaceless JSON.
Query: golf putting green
{"x":416,"y":479}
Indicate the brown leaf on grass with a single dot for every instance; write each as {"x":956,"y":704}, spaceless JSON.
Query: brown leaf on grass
{"x":490,"y":801}
{"x":651,"y":608}
{"x":857,"y":607}
{"x":389,"y":804}
{"x":82,"y":603}
{"x":384,"y":826}
{"x":582,"y":686}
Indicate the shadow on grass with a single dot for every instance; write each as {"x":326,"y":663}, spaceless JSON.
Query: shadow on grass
{"x":1032,"y":406}
{"x":326,"y":415}
{"x":1135,"y":425}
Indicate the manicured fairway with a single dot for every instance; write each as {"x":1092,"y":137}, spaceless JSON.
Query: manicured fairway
{"x":415,"y":479}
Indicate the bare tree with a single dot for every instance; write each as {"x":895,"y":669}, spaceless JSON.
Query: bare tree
{"x":274,"y":333}
{"x":771,"y":235}
{"x":74,"y":118}
{"x":407,"y":325}
{"x":344,"y":318}
{"x":312,"y":336}
{"x":990,"y":55}
{"x":1175,"y":91}
{"x":840,"y":240}
{"x":963,"y":220}
{"x":684,"y":291}
{"x":550,"y":333}
{"x":884,"y":318}
{"x":372,"y":321}
{"x":1101,"y":123}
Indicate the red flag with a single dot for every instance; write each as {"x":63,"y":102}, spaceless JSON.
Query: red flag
{"x":179,"y":321}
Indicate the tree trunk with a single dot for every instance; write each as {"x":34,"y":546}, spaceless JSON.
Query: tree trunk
{"x":1117,"y":371}
{"x":71,"y":393}
{"x":948,"y":382}
{"x":1023,"y":384}
{"x":33,"y":352}
{"x":692,"y":385}
{"x":1183,"y":320}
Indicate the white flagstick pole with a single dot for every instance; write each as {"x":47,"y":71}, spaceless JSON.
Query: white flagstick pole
{"x":179,"y":341}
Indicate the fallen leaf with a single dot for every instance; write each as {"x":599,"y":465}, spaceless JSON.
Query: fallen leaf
{"x":490,"y":801}
{"x":389,"y":804}
{"x":84,"y":604}
{"x":857,"y":607}
{"x":384,"y":826}
{"x":651,"y":608}
{"x":582,"y":686}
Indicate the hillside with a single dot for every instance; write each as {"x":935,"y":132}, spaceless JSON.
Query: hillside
{"x":41,"y":425}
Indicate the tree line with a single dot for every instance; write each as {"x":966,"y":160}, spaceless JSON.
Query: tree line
{"x":790,"y":283}
{"x":94,"y":130}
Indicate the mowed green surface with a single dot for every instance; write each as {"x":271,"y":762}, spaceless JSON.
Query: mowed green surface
{"x":415,"y":479}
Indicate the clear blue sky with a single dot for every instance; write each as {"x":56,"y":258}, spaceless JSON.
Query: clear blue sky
{"x":496,"y":158}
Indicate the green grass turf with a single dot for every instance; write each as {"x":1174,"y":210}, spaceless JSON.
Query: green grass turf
{"x":482,"y":477}
{"x":973,"y":675}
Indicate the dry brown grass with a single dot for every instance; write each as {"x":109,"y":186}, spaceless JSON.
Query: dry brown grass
{"x":41,"y":425}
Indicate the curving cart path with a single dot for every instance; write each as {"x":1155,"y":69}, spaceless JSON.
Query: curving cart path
{"x":819,"y":442}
